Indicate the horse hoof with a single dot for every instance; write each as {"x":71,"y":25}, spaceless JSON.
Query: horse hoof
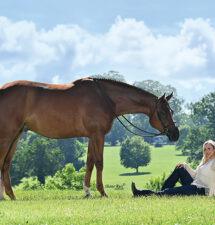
{"x":104,"y":195}
{"x":87,"y":196}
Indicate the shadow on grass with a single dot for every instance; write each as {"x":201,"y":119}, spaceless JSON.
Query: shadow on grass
{"x":134,"y":174}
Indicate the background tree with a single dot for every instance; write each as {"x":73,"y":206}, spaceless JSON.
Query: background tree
{"x":73,"y":151}
{"x":203,"y":113}
{"x":36,"y":157}
{"x":202,"y":129}
{"x":184,"y":131}
{"x":135,"y":153}
{"x":112,"y":74}
{"x":39,"y":156}
{"x":193,"y":144}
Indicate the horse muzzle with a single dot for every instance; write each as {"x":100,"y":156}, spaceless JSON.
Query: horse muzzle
{"x":173,"y":134}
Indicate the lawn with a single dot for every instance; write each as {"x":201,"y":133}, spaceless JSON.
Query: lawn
{"x":69,"y":207}
{"x":115,"y":175}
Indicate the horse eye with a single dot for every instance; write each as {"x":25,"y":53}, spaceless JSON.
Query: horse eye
{"x":163,"y":113}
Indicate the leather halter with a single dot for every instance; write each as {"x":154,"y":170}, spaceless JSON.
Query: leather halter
{"x":165,"y":129}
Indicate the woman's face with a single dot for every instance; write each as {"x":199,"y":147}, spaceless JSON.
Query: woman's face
{"x":209,"y":151}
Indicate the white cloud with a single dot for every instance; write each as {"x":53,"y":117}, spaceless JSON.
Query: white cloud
{"x":57,"y":80}
{"x":28,"y":53}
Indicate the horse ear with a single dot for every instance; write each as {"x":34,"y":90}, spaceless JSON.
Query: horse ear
{"x":169,"y":96}
{"x":163,"y":96}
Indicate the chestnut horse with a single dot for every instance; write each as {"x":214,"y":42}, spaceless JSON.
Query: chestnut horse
{"x":77,"y":109}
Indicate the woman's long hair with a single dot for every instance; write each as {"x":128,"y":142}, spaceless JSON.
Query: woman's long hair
{"x":204,"y":160}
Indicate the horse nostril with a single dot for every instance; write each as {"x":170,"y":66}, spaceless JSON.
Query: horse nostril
{"x":173,"y":134}
{"x":176,"y":135}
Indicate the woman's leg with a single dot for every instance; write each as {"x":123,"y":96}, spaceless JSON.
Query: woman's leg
{"x":181,"y":191}
{"x":137,"y":192}
{"x":178,"y":174}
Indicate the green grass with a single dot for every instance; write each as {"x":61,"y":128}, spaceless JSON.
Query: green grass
{"x":65,"y":207}
{"x":69,"y":207}
{"x":114,"y":174}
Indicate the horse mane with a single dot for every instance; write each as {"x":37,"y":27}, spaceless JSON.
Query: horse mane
{"x":120,"y":83}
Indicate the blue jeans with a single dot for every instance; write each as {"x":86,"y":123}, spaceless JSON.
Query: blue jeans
{"x":168,"y":187}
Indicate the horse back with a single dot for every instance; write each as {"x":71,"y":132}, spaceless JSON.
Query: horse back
{"x":57,"y":111}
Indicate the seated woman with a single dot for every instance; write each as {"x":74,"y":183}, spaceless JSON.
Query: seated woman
{"x":194,"y":182}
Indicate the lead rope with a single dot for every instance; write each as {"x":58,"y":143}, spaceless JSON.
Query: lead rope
{"x":110,"y":106}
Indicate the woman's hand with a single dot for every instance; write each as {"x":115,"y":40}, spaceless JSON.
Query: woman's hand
{"x":180,"y":165}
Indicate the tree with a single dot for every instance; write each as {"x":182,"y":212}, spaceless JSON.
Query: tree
{"x":45,"y":158}
{"x":135,"y":153}
{"x":193,"y":144}
{"x":52,"y":154}
{"x":184,"y":131}
{"x":112,"y":74}
{"x":36,"y":156}
{"x":203,"y":113}
{"x":203,"y":128}
{"x":73,"y":150}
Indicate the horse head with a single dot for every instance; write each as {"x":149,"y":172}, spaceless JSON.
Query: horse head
{"x":162,"y":118}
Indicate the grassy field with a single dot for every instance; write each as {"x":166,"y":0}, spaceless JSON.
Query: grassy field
{"x":162,"y":160}
{"x":65,"y":207}
{"x":69,"y":207}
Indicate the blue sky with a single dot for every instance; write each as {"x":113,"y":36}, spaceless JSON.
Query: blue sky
{"x":60,"y":41}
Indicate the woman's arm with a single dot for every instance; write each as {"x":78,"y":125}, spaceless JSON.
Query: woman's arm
{"x":213,"y":165}
{"x":212,"y":180}
{"x":191,"y":171}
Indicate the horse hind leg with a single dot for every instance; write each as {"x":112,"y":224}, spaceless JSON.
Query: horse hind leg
{"x":1,"y":188}
{"x":6,"y":168}
{"x":4,"y":146}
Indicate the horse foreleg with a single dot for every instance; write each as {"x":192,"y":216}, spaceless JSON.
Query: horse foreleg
{"x":98,"y":148}
{"x":99,"y":182}
{"x":90,"y":165}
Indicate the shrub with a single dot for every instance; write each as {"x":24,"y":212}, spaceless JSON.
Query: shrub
{"x":30,"y":183}
{"x":156,"y":183}
{"x":66,"y":179}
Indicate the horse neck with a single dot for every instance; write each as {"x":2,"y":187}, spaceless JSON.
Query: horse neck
{"x":129,"y":99}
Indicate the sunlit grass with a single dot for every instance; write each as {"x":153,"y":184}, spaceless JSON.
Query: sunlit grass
{"x":162,"y":160}
{"x":69,"y":207}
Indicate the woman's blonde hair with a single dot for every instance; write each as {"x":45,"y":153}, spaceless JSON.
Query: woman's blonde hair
{"x":204,"y":160}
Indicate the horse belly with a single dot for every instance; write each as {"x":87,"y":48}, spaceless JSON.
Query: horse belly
{"x":66,"y":114}
{"x":57,"y":124}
